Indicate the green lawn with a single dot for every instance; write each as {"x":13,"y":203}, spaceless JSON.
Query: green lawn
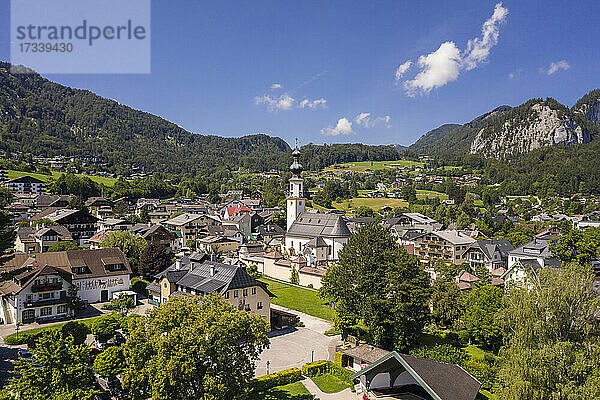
{"x":11,"y":174}
{"x":485,"y":395}
{"x":430,"y":193}
{"x":374,"y":203}
{"x":362,"y":166}
{"x":31,"y":332}
{"x":293,"y":391}
{"x":329,"y":383}
{"x":297,"y":298}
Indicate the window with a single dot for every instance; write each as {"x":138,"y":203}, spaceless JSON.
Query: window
{"x":46,"y":311}
{"x":47,"y":295}
{"x":245,"y":292}
{"x":29,"y":298}
{"x":259,"y":305}
{"x":235,"y":293}
{"x":165,"y":285}
{"x":226,"y":295}
{"x":62,"y":309}
{"x":253,"y":290}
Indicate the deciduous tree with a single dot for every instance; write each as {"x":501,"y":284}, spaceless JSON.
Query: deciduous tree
{"x":154,"y":259}
{"x":193,"y":348}
{"x":111,"y":362}
{"x":379,"y":285}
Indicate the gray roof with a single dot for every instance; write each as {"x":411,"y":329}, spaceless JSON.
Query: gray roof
{"x":313,"y":225}
{"x":535,"y":248}
{"x":316,"y":242}
{"x":489,"y":247}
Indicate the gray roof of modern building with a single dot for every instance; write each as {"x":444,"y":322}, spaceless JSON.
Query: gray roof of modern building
{"x":489,"y":247}
{"x":313,"y":225}
{"x":537,"y":248}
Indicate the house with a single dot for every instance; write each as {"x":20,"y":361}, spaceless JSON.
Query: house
{"x":269,"y":231}
{"x":219,"y":243}
{"x":25,"y":185}
{"x":99,"y":206}
{"x":241,"y":221}
{"x":401,"y":376}
{"x":448,"y":245}
{"x":491,"y":254}
{"x":43,"y":201}
{"x":201,"y":277}
{"x":34,"y":240}
{"x":361,"y":356}
{"x":39,"y":292}
{"x":154,"y":234}
{"x":187,"y":226}
{"x":80,"y":223}
{"x":538,"y":250}
{"x":523,"y":272}
{"x":466,"y":280}
{"x":114,"y":224}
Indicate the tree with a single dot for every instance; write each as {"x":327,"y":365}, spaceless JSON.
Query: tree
{"x":551,"y":347}
{"x":111,"y":362}
{"x":294,"y":276}
{"x":271,"y":193}
{"x":193,"y":348}
{"x":154,"y":259}
{"x":76,"y":330}
{"x":58,"y":370}
{"x":74,"y":302}
{"x":104,"y":327}
{"x":481,"y":305}
{"x":252,"y":270}
{"x":6,"y":197}
{"x":364,"y":211}
{"x":62,"y":245}
{"x":130,"y":245}
{"x":378,"y":285}
{"x":447,"y":301}
{"x":7,"y":235}
{"x":577,"y":246}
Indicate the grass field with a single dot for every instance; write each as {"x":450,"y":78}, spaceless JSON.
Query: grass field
{"x":430,"y":193}
{"x":373,"y":203}
{"x":297,"y":298}
{"x":329,"y":383}
{"x":11,"y":174}
{"x":362,"y":166}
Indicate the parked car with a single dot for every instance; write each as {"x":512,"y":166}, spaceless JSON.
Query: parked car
{"x":24,"y":353}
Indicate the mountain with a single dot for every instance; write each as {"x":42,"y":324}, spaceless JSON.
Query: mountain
{"x":451,"y":139}
{"x":506,"y":132}
{"x":43,"y":118}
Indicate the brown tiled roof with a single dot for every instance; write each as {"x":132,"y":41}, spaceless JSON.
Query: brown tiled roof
{"x":313,"y":271}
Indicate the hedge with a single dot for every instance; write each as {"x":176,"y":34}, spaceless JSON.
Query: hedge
{"x":24,"y":336}
{"x":327,"y":367}
{"x":284,"y":377}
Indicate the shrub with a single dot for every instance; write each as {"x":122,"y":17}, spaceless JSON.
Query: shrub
{"x":483,"y":372}
{"x":442,"y":352}
{"x":322,"y":367}
{"x":139,"y":285}
{"x":464,"y":337}
{"x":284,"y":377}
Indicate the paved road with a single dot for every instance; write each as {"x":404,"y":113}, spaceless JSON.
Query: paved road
{"x":295,"y":347}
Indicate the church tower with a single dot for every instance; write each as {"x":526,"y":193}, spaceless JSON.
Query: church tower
{"x":295,"y":201}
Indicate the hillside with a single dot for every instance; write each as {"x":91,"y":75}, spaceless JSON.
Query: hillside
{"x":455,"y":141}
{"x":43,"y":118}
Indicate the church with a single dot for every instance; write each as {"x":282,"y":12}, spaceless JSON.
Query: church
{"x":317,"y":236}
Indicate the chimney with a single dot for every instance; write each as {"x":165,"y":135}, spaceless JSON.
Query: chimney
{"x":212,"y":270}
{"x":178,"y":264}
{"x":213,"y":257}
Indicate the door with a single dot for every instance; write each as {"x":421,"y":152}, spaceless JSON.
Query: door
{"x":104,"y":296}
{"x":28,"y":316}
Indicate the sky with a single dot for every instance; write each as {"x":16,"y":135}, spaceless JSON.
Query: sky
{"x":380,"y":72}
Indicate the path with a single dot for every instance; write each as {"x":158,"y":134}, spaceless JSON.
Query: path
{"x":345,"y":394}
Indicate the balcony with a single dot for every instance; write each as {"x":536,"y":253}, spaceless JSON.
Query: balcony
{"x":45,"y":287}
{"x":46,"y":302}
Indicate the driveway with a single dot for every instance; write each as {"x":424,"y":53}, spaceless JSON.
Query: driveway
{"x":298,"y":346}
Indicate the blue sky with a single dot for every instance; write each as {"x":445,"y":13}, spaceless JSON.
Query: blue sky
{"x":216,"y":66}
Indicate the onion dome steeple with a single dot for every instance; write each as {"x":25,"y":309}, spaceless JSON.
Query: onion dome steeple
{"x":296,"y":167}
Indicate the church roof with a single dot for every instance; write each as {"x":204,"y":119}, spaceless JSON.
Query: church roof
{"x":314,"y":225}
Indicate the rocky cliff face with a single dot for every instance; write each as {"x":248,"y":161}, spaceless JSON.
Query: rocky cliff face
{"x":528,"y":127}
{"x":590,"y":110}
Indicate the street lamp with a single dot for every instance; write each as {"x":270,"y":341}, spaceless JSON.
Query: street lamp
{"x":268,"y":363}
{"x":312,"y":356}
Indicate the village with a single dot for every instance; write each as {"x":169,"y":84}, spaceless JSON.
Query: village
{"x":78,"y":263}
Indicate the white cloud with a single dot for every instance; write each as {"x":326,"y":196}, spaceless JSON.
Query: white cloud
{"x":402,"y":68}
{"x":283,"y":102}
{"x":445,"y":64}
{"x":478,"y":49}
{"x":511,"y":75}
{"x":437,"y":69}
{"x":343,"y":127}
{"x":557,"y":66}
{"x":276,"y":86}
{"x":365,"y":120}
{"x":313,"y":104}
